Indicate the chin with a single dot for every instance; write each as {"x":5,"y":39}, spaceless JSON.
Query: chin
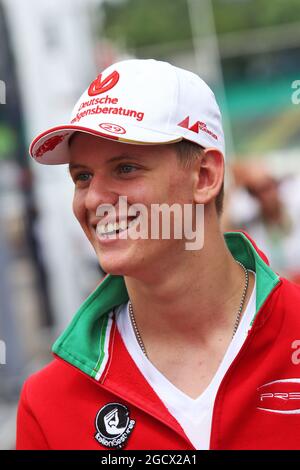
{"x":115,"y":265}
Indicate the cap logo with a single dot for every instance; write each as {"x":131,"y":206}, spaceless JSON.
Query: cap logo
{"x":49,"y":144}
{"x":114,"y":128}
{"x":98,"y":86}
{"x":197,"y":127}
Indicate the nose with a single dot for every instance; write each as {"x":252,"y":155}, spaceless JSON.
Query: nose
{"x":99,"y":192}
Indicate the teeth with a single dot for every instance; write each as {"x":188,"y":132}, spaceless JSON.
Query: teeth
{"x":132,"y":222}
{"x":111,"y":228}
{"x":123,"y":225}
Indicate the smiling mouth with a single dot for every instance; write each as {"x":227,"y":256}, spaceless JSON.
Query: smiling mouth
{"x":110,"y":230}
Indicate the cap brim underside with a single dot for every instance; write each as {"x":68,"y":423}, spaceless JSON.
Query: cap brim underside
{"x":52,"y":147}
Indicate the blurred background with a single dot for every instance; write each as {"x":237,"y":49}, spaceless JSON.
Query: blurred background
{"x":249,"y":53}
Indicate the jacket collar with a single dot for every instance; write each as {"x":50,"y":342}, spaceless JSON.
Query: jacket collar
{"x":86,"y":342}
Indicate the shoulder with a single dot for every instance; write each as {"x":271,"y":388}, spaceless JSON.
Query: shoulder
{"x":290,"y":290}
{"x":50,"y":384}
{"x":288,"y":298}
{"x":37,"y":395}
{"x":50,"y":373}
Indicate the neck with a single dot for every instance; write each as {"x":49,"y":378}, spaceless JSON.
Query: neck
{"x":194,"y":300}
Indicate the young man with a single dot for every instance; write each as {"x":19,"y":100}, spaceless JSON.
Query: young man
{"x":177,"y":348}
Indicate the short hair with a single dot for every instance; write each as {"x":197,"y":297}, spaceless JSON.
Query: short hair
{"x":187,"y":153}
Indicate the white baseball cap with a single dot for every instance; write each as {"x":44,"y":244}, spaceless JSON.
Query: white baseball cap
{"x":138,"y":102}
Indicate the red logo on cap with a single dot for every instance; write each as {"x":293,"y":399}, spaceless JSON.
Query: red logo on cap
{"x":114,"y":128}
{"x":98,"y":86}
{"x":49,"y":144}
{"x":198,"y":126}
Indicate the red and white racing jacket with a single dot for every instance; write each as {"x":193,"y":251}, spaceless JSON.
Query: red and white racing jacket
{"x":93,"y":396}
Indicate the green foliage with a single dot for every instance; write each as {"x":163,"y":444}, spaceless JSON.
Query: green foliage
{"x":235,"y":15}
{"x":139,"y":23}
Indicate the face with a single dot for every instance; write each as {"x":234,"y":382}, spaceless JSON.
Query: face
{"x":103,"y":171}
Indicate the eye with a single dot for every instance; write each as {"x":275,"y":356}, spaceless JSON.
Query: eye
{"x":126,"y":168}
{"x":81,"y":177}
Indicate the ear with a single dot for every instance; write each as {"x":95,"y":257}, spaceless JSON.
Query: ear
{"x":208,"y":176}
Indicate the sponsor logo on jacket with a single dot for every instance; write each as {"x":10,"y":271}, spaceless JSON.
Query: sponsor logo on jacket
{"x":113,"y":425}
{"x":280,"y":396}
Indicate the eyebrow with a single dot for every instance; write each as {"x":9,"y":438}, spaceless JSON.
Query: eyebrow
{"x":74,"y":166}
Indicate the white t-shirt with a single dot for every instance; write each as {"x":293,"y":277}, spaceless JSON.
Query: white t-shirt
{"x":194,"y":415}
